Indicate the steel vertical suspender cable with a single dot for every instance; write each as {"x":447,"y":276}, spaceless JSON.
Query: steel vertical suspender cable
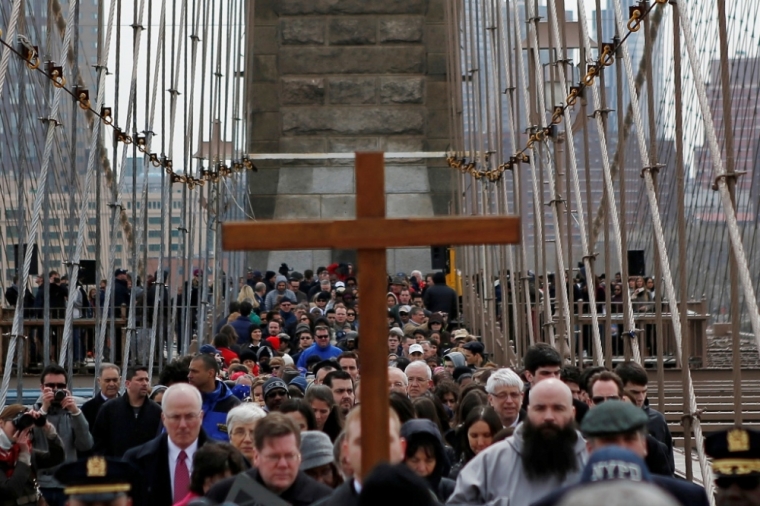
{"x":173,"y":114}
{"x":524,"y":93}
{"x":555,"y":202}
{"x":514,"y":274}
{"x":508,"y":286}
{"x":33,"y":229}
{"x":147,"y":163}
{"x":100,"y":338}
{"x":94,"y":143}
{"x":587,"y":253}
{"x":730,"y":213}
{"x":664,"y":260}
{"x":612,"y":207}
{"x":121,"y":188}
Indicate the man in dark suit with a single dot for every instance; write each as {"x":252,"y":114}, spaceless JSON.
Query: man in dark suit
{"x":166,"y":462}
{"x":109,"y":383}
{"x":130,"y":420}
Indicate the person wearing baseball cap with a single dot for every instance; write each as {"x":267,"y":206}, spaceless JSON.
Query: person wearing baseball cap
{"x":474,"y":352}
{"x":275,"y":393}
{"x":615,"y":433}
{"x":416,"y":352}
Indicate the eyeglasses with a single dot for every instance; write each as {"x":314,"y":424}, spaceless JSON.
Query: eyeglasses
{"x":504,"y":395}
{"x":350,"y":314}
{"x":187,"y":417}
{"x":305,"y":338}
{"x":323,"y":337}
{"x":55,"y":386}
{"x":276,"y":367}
{"x":275,"y":459}
{"x":600,"y":399}
{"x":277,"y":393}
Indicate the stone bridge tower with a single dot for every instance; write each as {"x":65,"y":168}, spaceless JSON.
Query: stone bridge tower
{"x":329,"y":76}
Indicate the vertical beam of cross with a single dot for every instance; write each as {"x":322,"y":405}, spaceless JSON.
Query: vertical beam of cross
{"x":373,"y":284}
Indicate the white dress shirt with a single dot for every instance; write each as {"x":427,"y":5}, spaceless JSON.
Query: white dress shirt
{"x":174,"y":456}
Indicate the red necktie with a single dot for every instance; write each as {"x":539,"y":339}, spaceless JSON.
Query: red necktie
{"x":181,"y":477}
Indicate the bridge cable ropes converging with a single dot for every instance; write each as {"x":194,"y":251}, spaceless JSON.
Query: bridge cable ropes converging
{"x":163,"y":154}
{"x":552,"y":93}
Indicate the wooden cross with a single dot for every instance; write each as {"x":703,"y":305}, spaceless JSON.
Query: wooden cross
{"x":371,"y":233}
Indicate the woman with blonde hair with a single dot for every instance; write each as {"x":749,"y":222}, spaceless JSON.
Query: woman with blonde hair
{"x":246,"y":293}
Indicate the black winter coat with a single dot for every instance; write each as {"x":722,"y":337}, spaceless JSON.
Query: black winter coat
{"x":117,"y":430}
{"x":303,"y":492}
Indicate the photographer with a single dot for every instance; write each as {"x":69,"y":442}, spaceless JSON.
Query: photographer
{"x":18,"y":457}
{"x":62,"y":411}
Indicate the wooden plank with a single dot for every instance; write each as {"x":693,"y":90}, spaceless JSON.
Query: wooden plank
{"x":369,"y":233}
{"x":373,"y":283}
{"x":374,"y":352}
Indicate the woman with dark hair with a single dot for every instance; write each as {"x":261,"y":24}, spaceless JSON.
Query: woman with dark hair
{"x":301,"y":413}
{"x":447,"y":392}
{"x":327,"y":413}
{"x":476,"y":434}
{"x":424,"y":407}
{"x":425,"y":455}
{"x":402,"y":406}
{"x":212,"y":463}
{"x":470,"y":400}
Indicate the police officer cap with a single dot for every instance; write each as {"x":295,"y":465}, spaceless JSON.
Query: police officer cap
{"x":96,"y":479}
{"x":613,"y":417}
{"x":735,"y":452}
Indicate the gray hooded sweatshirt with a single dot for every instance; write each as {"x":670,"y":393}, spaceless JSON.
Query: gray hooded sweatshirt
{"x":271,"y":298}
{"x":496,"y":476}
{"x":457,"y":358}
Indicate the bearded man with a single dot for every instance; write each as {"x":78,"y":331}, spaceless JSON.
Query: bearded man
{"x":546,"y":452}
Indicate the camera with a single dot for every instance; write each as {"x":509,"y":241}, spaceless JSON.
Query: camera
{"x":59,"y":396}
{"x":23,"y":421}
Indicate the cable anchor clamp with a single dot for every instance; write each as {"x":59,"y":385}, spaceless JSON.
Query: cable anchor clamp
{"x":82,"y":96}
{"x":725,"y":178}
{"x":653,"y":168}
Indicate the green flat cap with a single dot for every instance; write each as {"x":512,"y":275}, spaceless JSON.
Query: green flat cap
{"x":613,"y":417}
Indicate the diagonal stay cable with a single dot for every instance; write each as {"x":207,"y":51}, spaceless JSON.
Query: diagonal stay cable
{"x":34,"y":227}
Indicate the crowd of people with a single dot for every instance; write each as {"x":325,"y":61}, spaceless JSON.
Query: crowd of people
{"x":270,"y":410}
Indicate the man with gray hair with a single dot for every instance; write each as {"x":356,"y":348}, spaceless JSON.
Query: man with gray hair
{"x":505,"y":396}
{"x":166,"y":462}
{"x":420,"y":379}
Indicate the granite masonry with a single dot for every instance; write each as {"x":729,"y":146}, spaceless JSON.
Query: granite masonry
{"x":340,"y":76}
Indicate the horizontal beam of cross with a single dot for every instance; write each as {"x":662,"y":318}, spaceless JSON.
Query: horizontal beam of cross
{"x":370,"y":233}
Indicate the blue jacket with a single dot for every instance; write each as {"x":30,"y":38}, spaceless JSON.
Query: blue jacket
{"x":216,"y":405}
{"x":323,"y":353}
{"x":241,"y":324}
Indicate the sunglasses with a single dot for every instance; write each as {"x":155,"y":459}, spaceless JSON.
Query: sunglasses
{"x":350,"y":314}
{"x":277,"y":393}
{"x":55,"y":386}
{"x":600,"y":399}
